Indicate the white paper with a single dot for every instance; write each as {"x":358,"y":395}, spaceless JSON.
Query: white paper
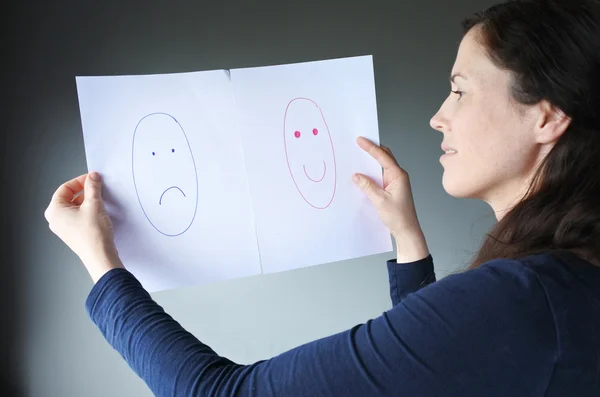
{"x":299,"y":125}
{"x":174,"y":177}
{"x":206,"y":178}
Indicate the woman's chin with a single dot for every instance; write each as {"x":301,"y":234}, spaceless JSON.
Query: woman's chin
{"x":457,"y":188}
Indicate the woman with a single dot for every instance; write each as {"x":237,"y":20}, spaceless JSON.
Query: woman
{"x":521,"y":131}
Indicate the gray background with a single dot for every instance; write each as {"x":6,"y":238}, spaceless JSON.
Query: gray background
{"x":56,"y":350}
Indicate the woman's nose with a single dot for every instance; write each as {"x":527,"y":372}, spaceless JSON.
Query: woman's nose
{"x":437,"y":122}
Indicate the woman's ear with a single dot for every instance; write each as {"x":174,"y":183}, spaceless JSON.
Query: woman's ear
{"x":551,"y":124}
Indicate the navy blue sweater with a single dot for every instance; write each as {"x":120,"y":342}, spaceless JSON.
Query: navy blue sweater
{"x":528,"y":327}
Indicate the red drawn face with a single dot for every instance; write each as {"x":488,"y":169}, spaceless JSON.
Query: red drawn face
{"x":309,"y":152}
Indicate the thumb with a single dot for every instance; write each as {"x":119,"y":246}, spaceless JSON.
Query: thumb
{"x":93,"y":187}
{"x":368,"y":186}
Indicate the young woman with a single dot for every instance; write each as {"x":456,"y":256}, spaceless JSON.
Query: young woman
{"x":521,"y":131}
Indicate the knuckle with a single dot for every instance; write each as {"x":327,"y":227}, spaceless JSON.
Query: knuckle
{"x":404,"y":174}
{"x":47,"y":213}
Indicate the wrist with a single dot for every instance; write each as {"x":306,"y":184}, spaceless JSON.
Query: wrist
{"x":411,"y":248}
{"x":102,"y":262}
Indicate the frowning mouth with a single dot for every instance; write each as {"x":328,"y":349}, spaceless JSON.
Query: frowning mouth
{"x":163,"y":193}
{"x":316,"y":180}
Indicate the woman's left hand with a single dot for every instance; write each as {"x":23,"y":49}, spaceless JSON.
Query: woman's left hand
{"x":82,"y":223}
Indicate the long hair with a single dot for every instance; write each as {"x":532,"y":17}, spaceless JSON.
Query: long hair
{"x":552,"y":49}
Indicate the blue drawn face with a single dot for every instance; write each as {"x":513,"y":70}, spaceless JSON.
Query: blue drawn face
{"x":164,"y":174}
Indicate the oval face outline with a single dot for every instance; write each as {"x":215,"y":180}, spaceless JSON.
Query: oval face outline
{"x":298,"y":169}
{"x":145,"y":177}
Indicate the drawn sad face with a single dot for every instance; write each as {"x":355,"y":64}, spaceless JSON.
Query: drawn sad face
{"x":164,"y":174}
{"x":309,"y":152}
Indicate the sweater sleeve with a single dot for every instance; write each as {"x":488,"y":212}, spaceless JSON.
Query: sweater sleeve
{"x":406,"y":278}
{"x":482,"y":332}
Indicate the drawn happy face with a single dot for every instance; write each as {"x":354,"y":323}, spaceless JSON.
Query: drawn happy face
{"x":164,"y":174}
{"x":309,"y":152}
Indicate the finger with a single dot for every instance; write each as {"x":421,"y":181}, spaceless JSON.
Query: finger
{"x":382,"y":157}
{"x":388,"y":151}
{"x":65,"y":193}
{"x":92,"y":187}
{"x":368,"y":186}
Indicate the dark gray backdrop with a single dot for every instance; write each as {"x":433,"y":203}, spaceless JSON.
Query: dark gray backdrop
{"x":54,"y":348}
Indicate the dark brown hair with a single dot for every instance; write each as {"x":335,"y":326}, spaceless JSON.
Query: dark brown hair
{"x":552,"y":48}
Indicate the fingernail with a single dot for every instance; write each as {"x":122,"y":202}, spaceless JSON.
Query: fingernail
{"x":95,"y":176}
{"x":355,"y":178}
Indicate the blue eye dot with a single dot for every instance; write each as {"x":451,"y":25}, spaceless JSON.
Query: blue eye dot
{"x":172,"y":150}
{"x":153,"y":153}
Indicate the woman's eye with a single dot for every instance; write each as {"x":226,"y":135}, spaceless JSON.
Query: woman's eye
{"x":459,"y":93}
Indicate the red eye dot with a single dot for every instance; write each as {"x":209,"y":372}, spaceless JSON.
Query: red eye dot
{"x":297,"y":134}
{"x":315,"y":131}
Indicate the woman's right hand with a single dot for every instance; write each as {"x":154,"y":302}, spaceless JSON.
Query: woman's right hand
{"x":394,"y":203}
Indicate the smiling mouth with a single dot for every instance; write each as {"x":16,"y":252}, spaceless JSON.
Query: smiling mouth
{"x":172,"y":187}
{"x":316,"y":180}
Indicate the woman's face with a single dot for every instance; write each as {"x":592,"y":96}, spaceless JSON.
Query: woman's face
{"x":493,"y":137}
